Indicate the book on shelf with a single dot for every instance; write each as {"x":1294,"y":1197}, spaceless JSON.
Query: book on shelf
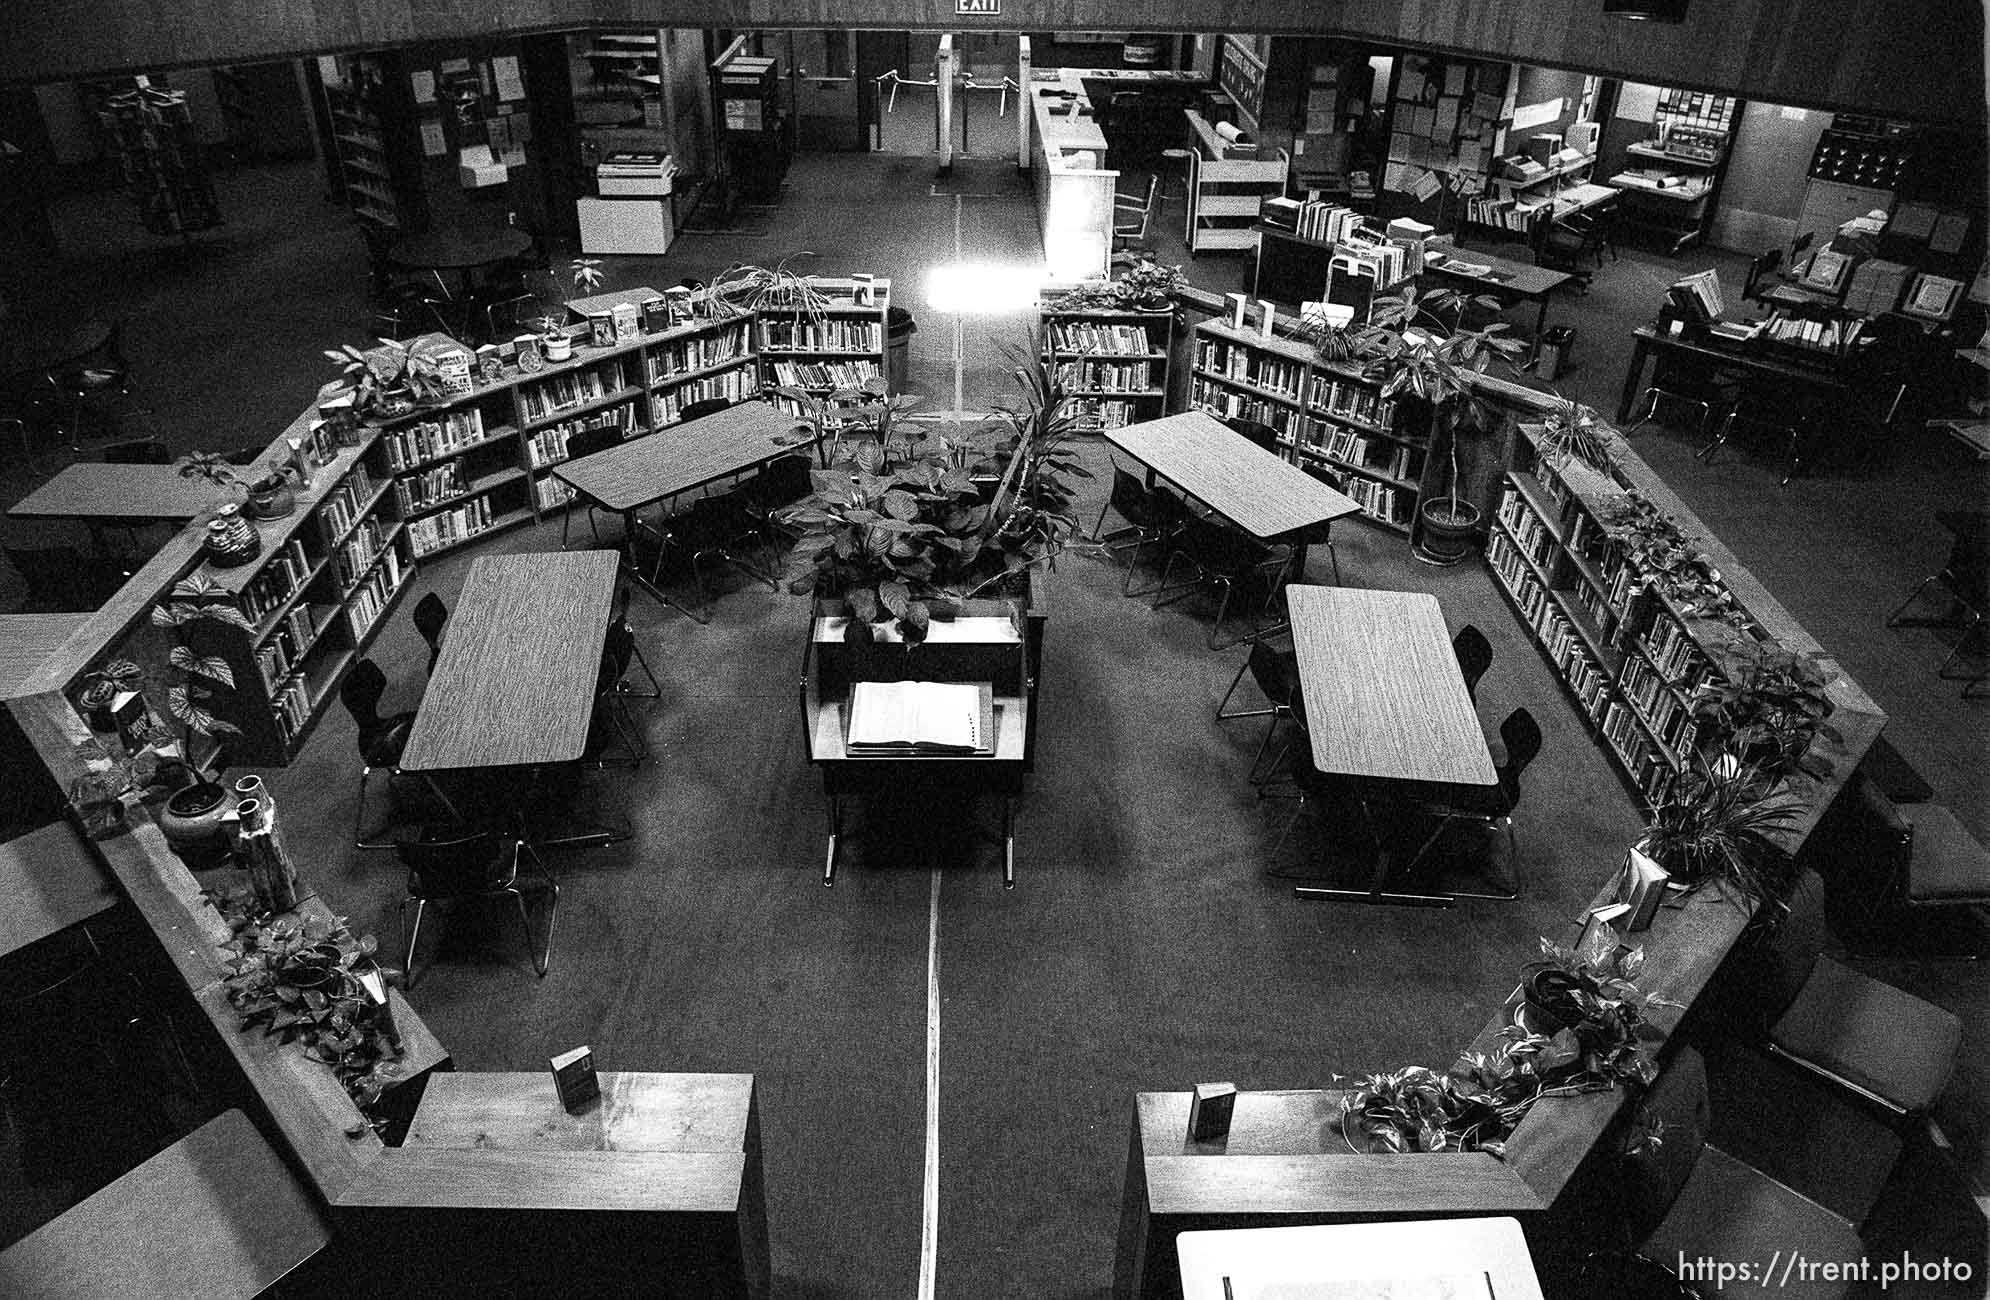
{"x":922,"y":717}
{"x":548,"y":446}
{"x":1093,"y":413}
{"x":799,"y":334}
{"x":447,"y":527}
{"x":1110,"y":376}
{"x":1101,"y":339}
{"x":687,"y":356}
{"x":824,"y":374}
{"x":569,"y":389}
{"x":667,"y":407}
{"x":1697,"y":295}
{"x":426,"y":439}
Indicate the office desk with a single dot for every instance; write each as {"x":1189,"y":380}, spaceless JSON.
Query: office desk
{"x":1262,"y":493}
{"x":1506,"y":281}
{"x":1385,"y":702}
{"x":92,"y":490}
{"x":216,"y":1214}
{"x":636,"y":1112}
{"x":678,"y":458}
{"x":26,"y":640}
{"x":514,"y":685}
{"x":1482,"y":1259}
{"x":49,"y":881}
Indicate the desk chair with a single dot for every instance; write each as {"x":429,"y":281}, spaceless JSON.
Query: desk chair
{"x":381,"y":743}
{"x":1760,"y":269}
{"x":1275,"y":671}
{"x":1223,"y":556}
{"x":1474,"y":657}
{"x":586,"y":443}
{"x":1966,"y":580}
{"x":1784,"y":409}
{"x":1560,"y":245}
{"x":1925,"y":864}
{"x":698,"y":410}
{"x":1521,"y":736}
{"x":711,"y":530}
{"x":1687,"y":384}
{"x":1684,"y":1198}
{"x":464,"y":865}
{"x":1133,"y":216}
{"x":1877,"y":1042}
{"x":1143,"y":513}
{"x":430,"y":617}
{"x":613,"y":690}
{"x":779,"y":484}
{"x":1261,"y":436}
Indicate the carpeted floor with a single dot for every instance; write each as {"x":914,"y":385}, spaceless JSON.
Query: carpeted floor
{"x":1144,"y":947}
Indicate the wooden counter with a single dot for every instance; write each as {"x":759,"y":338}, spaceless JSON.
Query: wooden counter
{"x":1074,"y":193}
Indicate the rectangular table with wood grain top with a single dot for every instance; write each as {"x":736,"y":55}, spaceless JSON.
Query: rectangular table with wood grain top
{"x":679,"y":458}
{"x":514,"y":685}
{"x":1384,"y":699}
{"x":1263,"y":494}
{"x":93,"y":490}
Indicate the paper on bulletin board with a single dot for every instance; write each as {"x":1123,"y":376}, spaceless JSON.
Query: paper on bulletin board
{"x":1427,"y":187}
{"x":424,"y":85}
{"x":1637,"y":102}
{"x":432,"y":143}
{"x":1454,"y":78}
{"x":504,"y":71}
{"x":1540,"y":114}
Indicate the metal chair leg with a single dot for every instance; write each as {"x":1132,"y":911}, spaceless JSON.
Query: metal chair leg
{"x":656,"y":690}
{"x":413,"y":933}
{"x":1235,"y":682}
{"x":360,"y":838}
{"x":1894,"y":619}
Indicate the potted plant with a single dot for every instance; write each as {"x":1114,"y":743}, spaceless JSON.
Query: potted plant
{"x":1419,"y":358}
{"x":554,"y":341}
{"x":1573,"y":433}
{"x":1719,"y":823}
{"x":1144,"y":286}
{"x":1582,"y":1017}
{"x":1659,"y":550}
{"x":300,"y":980}
{"x":102,"y":686}
{"x":1767,"y":705}
{"x":386,"y":381}
{"x":1471,"y":1107}
{"x":273,"y":495}
{"x":191,"y":615}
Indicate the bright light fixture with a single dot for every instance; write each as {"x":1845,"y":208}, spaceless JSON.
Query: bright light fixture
{"x":984,"y":288}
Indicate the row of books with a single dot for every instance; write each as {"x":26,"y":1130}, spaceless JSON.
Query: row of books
{"x":1834,"y":336}
{"x":1111,"y":376}
{"x":281,"y":573}
{"x":1327,"y":223}
{"x":550,"y":493}
{"x":414,"y":443}
{"x":571,"y":388}
{"x":1101,"y":413}
{"x":447,"y":527}
{"x":1503,"y":212}
{"x":1529,"y":532}
{"x":430,"y":486}
{"x":667,"y":407}
{"x":358,"y":552}
{"x":1231,"y":404}
{"x":299,"y":626}
{"x":1585,"y":677}
{"x":364,"y":607}
{"x":1664,"y":711}
{"x":1273,"y":374}
{"x":274,"y":660}
{"x":1651,"y":769}
{"x":1102,"y":339}
{"x":291,"y":702}
{"x":824,"y":374}
{"x":1675,"y":653}
{"x":1362,"y":451}
{"x":1378,"y":500}
{"x":341,"y":506}
{"x":1351,"y":401}
{"x":548,"y":446}
{"x":700,"y":353}
{"x":803,"y":335}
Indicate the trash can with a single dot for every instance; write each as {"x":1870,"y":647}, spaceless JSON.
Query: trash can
{"x":1556,"y":345}
{"x":898,"y":330}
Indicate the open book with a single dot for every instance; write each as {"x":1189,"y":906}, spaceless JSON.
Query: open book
{"x":939,"y":717}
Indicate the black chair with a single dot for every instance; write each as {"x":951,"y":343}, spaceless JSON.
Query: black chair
{"x":473,"y":865}
{"x":1275,"y":671}
{"x":1133,"y":217}
{"x":92,"y":380}
{"x":1143,"y":512}
{"x":63,"y":579}
{"x":1492,"y":807}
{"x":711,"y":530}
{"x":1966,"y":580}
{"x":430,"y":617}
{"x":1474,"y":657}
{"x":698,"y":410}
{"x":381,"y":741}
{"x":1685,"y":383}
{"x":1223,"y":556}
{"x":1261,"y":436}
{"x":586,"y":443}
{"x":1560,"y":245}
{"x":1760,"y":268}
{"x":779,"y":484}
{"x":612,"y":691}
{"x":1787,"y":410}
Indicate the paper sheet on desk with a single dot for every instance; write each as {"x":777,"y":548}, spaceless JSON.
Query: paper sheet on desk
{"x":1460,"y":1286}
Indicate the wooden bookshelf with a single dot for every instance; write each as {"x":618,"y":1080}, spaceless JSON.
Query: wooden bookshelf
{"x":1224,"y":194}
{"x":838,"y":343}
{"x":1330,"y":417}
{"x":1114,"y":362}
{"x":373,"y":158}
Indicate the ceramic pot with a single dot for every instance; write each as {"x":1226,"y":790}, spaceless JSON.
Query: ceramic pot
{"x":557,"y":347}
{"x":95,"y":702}
{"x":1546,"y":990}
{"x":191,"y":821}
{"x":231,"y":540}
{"x":1446,"y":538}
{"x":270,"y":500}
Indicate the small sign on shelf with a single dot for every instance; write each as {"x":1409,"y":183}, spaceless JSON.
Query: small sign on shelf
{"x":575,"y":1080}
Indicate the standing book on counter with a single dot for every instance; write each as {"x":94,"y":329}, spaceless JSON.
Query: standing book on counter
{"x":922,"y":717}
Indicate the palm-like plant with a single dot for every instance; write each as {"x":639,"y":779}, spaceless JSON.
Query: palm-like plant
{"x":1574,"y":432}
{"x":1720,"y":822}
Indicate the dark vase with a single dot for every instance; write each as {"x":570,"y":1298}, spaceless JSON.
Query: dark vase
{"x":231,"y":540}
{"x":1548,"y":990}
{"x":191,"y":822}
{"x":271,"y":499}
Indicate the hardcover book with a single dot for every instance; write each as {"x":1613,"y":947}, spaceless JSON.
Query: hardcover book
{"x":915,"y":717}
{"x":575,"y":1080}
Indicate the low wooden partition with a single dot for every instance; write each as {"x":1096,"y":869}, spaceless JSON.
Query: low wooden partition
{"x":1074,"y":191}
{"x":1286,"y":1162}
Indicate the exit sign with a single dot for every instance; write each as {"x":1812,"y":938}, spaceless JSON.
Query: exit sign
{"x":979,"y":8}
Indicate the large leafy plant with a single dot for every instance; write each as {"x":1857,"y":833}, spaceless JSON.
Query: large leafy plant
{"x":1721,"y":823}
{"x":195,"y":607}
{"x":1659,"y":550}
{"x":386,"y":380}
{"x":1145,"y":286}
{"x":1574,"y":432}
{"x":1768,"y":704}
{"x":1599,"y":1040}
{"x":1471,"y":1107}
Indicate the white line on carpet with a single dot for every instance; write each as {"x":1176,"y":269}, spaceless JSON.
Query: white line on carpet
{"x":929,"y":1228}
{"x":960,"y":345}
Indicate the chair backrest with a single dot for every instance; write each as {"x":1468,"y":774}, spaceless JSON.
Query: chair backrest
{"x":700,"y":409}
{"x":618,"y":647}
{"x":360,"y":692}
{"x":1759,"y":269}
{"x":589,"y":441}
{"x":430,"y":616}
{"x":1257,"y":434}
{"x":1968,"y":566}
{"x":782,"y":482}
{"x":1522,"y":737}
{"x":139,"y":451}
{"x":1130,"y":497}
{"x":458,"y":866}
{"x":1276,"y":671}
{"x":1653,"y":1173}
{"x":1474,"y":656}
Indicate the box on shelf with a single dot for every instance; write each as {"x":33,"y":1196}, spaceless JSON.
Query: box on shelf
{"x":449,"y":361}
{"x":477,"y":168}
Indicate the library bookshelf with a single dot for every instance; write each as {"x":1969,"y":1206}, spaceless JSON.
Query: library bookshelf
{"x":836,"y":342}
{"x":1113,"y":363}
{"x":371,"y":160}
{"x":1329,"y":418}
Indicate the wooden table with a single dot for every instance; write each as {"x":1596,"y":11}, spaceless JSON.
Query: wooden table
{"x":1263,"y":494}
{"x":49,"y":881}
{"x":216,"y":1214}
{"x":1385,"y":702}
{"x":514,"y":685}
{"x":92,"y":490}
{"x":642,"y":471}
{"x":1480,"y":1257}
{"x":1505,"y":280}
{"x":689,"y":1144}
{"x":26,"y":640}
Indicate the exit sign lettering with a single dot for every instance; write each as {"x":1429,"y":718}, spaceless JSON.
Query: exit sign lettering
{"x":979,"y":8}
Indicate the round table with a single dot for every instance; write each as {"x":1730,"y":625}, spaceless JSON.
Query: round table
{"x":464,"y":252}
